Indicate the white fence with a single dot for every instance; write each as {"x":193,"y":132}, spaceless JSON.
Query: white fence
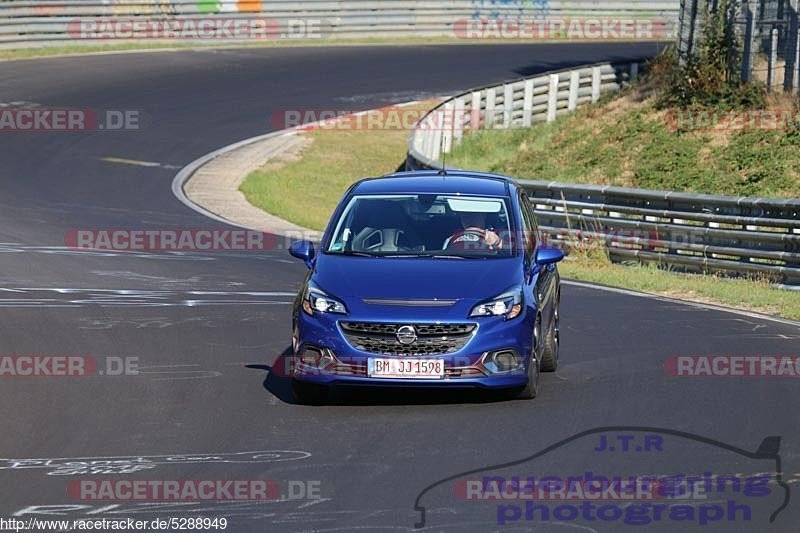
{"x":519,"y":103}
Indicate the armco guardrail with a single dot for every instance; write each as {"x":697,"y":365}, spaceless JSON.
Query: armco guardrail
{"x":58,"y":22}
{"x":690,"y":231}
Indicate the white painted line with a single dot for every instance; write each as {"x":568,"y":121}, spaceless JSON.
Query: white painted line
{"x":149,"y":292}
{"x":137,"y":163}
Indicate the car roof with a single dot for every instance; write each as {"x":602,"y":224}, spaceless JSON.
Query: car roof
{"x":438,"y":182}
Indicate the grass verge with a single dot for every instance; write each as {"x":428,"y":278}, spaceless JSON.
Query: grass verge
{"x":750,"y":295}
{"x":627,"y":141}
{"x":306,"y":190}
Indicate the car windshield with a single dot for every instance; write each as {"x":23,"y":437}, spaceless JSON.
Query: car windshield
{"x":424,"y":225}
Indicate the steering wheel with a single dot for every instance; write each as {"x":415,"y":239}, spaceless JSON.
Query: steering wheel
{"x":480,"y":234}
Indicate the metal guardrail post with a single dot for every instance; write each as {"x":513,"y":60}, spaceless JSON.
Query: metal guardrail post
{"x":508,"y":105}
{"x":687,"y":29}
{"x":773,"y":58}
{"x":749,"y":42}
{"x":491,"y":97}
{"x":574,"y":84}
{"x":792,"y":50}
{"x":458,"y":120}
{"x":446,"y":124}
{"x":475,"y":112}
{"x":436,"y":152}
{"x":596,"y":80}
{"x":552,"y":98}
{"x":527,"y":104}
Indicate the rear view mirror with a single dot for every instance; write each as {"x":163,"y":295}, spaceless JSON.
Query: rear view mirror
{"x":548,"y":255}
{"x":303,"y":250}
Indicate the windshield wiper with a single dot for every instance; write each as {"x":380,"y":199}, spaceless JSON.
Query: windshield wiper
{"x":432,"y":256}
{"x":351,"y":253}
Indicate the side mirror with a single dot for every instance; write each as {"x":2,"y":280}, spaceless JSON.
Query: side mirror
{"x":303,"y":250}
{"x":548,"y":255}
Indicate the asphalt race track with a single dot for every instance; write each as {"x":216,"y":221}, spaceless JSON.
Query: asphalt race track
{"x":207,"y":327}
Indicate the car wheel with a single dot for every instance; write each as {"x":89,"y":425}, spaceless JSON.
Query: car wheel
{"x":551,"y":343}
{"x":532,"y":388}
{"x":309,"y":393}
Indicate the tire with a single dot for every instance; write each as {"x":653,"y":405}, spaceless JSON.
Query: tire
{"x":551,"y":343}
{"x":309,"y":393}
{"x":530,"y":390}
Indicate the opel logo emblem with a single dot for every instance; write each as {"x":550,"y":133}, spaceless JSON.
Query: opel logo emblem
{"x":406,"y":334}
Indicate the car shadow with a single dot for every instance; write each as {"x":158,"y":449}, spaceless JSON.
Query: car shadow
{"x":415,"y":396}
{"x":278,"y":383}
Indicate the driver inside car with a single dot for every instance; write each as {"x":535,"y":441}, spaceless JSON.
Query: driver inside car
{"x":474,"y":234}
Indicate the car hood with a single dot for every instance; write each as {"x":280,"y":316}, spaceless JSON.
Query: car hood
{"x":416,"y":278}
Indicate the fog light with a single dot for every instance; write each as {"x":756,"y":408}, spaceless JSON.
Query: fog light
{"x":316,"y":357}
{"x":506,"y":361}
{"x":311,"y":355}
{"x":502,"y":361}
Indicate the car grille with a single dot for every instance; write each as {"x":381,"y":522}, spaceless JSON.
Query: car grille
{"x":344,"y":369}
{"x":463,"y":372}
{"x":352,"y":370}
{"x":432,"y":339}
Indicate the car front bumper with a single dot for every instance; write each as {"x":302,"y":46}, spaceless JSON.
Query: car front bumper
{"x":463,"y":368}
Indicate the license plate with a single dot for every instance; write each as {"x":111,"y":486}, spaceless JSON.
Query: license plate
{"x":405,"y":368}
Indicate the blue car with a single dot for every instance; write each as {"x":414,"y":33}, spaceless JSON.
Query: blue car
{"x":427,"y":279}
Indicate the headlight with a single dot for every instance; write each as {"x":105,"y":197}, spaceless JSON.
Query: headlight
{"x":317,"y":301}
{"x":508,"y":304}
